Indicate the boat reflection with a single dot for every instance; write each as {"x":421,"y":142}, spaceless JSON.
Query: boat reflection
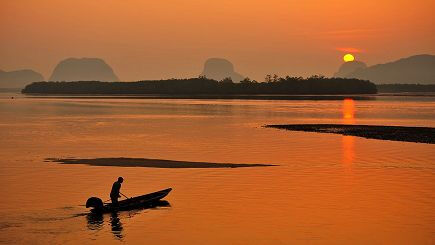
{"x":116,"y":224}
{"x":95,"y":221}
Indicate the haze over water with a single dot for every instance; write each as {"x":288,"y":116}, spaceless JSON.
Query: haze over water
{"x":327,"y":189}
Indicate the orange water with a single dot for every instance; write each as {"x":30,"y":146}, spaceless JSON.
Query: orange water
{"x":327,"y":189}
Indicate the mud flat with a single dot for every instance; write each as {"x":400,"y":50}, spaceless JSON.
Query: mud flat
{"x":394,"y":133}
{"x":149,"y":163}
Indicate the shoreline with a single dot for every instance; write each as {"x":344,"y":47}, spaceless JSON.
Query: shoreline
{"x":204,"y":96}
{"x":227,"y":96}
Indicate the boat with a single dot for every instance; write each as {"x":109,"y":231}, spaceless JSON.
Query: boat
{"x":98,"y":206}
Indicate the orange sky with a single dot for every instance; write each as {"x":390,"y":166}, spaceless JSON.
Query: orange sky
{"x":160,"y":39}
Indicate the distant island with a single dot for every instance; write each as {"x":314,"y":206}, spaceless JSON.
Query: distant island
{"x":274,"y":85}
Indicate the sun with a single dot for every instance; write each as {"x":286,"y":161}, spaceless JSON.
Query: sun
{"x":348,"y":58}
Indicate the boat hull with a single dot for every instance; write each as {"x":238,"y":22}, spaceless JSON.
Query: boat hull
{"x":134,"y":202}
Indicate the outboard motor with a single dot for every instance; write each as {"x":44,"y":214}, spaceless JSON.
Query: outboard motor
{"x":95,"y":202}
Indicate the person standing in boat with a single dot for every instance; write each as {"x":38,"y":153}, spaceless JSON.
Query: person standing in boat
{"x":115,"y":192}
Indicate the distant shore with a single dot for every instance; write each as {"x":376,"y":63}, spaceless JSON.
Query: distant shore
{"x":394,"y":133}
{"x":359,"y":97}
{"x":205,"y":96}
{"x":383,"y":90}
{"x":405,"y":88}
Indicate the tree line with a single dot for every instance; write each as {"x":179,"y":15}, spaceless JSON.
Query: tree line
{"x":398,"y":88}
{"x":274,"y":85}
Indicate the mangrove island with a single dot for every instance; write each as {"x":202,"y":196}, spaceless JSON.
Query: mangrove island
{"x":273,"y":85}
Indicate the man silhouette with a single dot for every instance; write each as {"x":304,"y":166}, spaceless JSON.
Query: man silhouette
{"x":115,"y":192}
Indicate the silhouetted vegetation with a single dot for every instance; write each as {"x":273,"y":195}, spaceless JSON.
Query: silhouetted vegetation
{"x":397,"y":88}
{"x":202,"y":85}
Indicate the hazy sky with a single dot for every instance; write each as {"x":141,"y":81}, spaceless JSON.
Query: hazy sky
{"x":144,"y":39}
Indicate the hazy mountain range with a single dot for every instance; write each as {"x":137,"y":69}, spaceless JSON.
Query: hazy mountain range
{"x":70,"y":69}
{"x":19,"y":78}
{"x":350,"y":67}
{"x":218,"y":69}
{"x":83,"y":69}
{"x":415,"y":69}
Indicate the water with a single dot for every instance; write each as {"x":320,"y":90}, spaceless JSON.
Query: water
{"x":327,"y":189}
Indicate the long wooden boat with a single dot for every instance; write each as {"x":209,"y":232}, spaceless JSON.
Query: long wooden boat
{"x":98,"y":206}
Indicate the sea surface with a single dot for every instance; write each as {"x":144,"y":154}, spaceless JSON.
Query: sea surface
{"x":326,"y":189}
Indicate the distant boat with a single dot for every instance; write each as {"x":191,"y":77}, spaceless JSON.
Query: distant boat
{"x":99,"y":206}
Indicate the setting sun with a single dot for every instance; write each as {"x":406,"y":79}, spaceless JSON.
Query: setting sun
{"x":348,"y":58}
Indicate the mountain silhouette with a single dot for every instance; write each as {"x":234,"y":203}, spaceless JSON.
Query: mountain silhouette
{"x":415,"y":69}
{"x":84,"y":69}
{"x":349,"y":67}
{"x":218,"y":69}
{"x":19,"y":78}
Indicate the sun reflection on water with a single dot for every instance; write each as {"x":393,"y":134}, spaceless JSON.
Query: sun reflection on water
{"x":348,"y":111}
{"x":348,"y":147}
{"x":348,"y":141}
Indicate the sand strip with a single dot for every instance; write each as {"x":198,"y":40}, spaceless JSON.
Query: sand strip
{"x":395,"y":133}
{"x":149,"y":163}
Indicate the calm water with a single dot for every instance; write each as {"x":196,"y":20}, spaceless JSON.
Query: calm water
{"x":327,"y":189}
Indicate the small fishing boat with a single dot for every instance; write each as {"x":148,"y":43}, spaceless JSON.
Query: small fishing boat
{"x":99,"y":206}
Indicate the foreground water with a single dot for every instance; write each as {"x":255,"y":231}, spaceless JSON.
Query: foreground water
{"x":327,"y":189}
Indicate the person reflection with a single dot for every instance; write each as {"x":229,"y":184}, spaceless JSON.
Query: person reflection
{"x":96,"y":222}
{"x":116,"y":224}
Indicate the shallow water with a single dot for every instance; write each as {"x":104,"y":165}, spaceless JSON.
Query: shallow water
{"x":327,"y":189}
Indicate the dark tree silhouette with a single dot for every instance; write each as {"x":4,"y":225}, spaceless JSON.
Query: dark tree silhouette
{"x":274,"y":85}
{"x":398,"y":88}
{"x":227,"y":80}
